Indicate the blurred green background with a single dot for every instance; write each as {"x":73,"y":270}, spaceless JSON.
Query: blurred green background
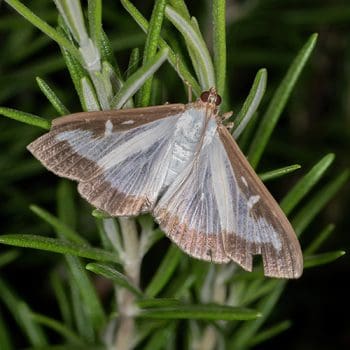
{"x":265,"y":33}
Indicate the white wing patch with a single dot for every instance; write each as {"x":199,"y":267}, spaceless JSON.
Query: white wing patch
{"x":234,"y":207}
{"x":244,"y":181}
{"x":253,"y":200}
{"x":128,"y":122}
{"x":207,"y":204}
{"x":108,"y":128}
{"x":134,"y":161}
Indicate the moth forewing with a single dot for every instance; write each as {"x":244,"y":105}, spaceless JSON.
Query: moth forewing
{"x":106,"y":151}
{"x":270,"y":233}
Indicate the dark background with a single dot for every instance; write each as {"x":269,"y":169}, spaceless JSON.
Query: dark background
{"x":266,"y":33}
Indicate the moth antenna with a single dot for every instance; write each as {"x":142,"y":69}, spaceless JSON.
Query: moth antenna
{"x":186,"y":82}
{"x":229,"y":126}
{"x":189,"y":90}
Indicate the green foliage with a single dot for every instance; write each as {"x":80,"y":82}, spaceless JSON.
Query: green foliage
{"x":219,"y":41}
{"x":199,"y":312}
{"x":52,"y":97}
{"x":164,"y":271}
{"x":137,"y":79}
{"x":273,"y":174}
{"x":220,"y":303}
{"x":251,"y":103}
{"x":27,"y":118}
{"x":306,"y":184}
{"x":279,"y":101}
{"x":151,"y":45}
{"x":114,"y":275}
{"x":57,"y":246}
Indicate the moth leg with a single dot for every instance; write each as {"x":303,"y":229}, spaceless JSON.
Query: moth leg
{"x":229,"y":126}
{"x":226,"y":116}
{"x":221,"y":119}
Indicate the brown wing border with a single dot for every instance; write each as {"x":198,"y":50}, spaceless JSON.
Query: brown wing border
{"x":52,"y":152}
{"x":139,"y":116}
{"x":293,"y":265}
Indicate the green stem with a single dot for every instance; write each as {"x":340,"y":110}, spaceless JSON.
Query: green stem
{"x":219,"y":42}
{"x":152,"y":42}
{"x":126,"y":299}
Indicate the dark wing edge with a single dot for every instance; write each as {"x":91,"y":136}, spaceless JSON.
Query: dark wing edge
{"x":85,"y":132}
{"x":286,"y":262}
{"x":51,"y":152}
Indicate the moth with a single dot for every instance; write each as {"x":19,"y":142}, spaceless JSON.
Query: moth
{"x":179,"y":163}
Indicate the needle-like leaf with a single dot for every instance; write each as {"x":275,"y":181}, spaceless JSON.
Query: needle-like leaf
{"x":26,"y":118}
{"x":278,"y":102}
{"x":305,"y":215}
{"x":57,"y":246}
{"x":274,"y":174}
{"x":196,"y":43}
{"x":114,"y":275}
{"x":304,"y":186}
{"x":321,"y":259}
{"x":151,"y":45}
{"x":251,"y":103}
{"x":219,"y":41}
{"x":136,"y":80}
{"x":199,"y":312}
{"x":52,"y":97}
{"x":173,"y":58}
{"x":164,"y":272}
{"x":58,"y":327}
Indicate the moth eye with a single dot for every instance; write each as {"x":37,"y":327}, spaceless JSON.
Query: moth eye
{"x":218,"y":100}
{"x":204,"y":96}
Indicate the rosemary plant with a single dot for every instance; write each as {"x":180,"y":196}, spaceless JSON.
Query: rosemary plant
{"x":218,"y":307}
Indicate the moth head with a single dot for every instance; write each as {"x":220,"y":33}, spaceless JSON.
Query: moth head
{"x":211,"y":97}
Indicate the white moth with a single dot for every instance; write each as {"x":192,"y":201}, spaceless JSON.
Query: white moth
{"x":179,"y":163}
